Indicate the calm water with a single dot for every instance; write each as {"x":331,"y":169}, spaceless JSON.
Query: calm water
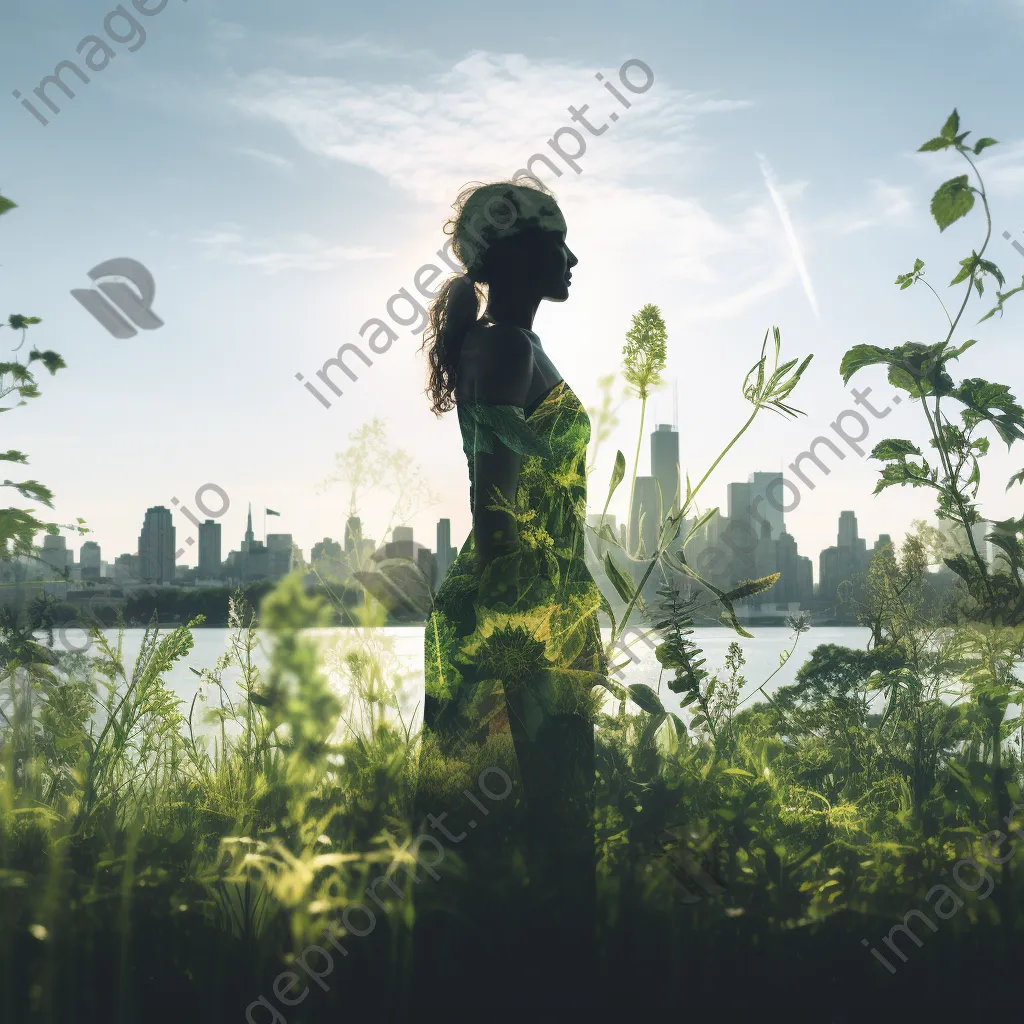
{"x":401,"y":652}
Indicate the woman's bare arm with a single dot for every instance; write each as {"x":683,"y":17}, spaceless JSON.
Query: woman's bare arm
{"x":499,"y":372}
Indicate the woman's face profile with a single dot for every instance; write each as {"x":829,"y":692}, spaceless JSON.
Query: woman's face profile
{"x":555,"y":259}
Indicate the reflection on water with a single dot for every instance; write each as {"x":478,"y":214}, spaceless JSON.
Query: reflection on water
{"x":400,"y":651}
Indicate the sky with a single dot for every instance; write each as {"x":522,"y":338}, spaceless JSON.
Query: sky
{"x":284,"y":170}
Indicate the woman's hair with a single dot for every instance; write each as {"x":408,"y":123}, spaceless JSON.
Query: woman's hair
{"x":506,"y":209}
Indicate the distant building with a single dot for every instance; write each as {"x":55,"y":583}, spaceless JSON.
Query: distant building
{"x":249,"y":541}
{"x":665,"y":467}
{"x":445,"y":552}
{"x":325,"y":550}
{"x":767,"y":501}
{"x":209,"y":550}
{"x":56,"y":555}
{"x":645,"y":518}
{"x":250,"y":562}
{"x":89,"y":558}
{"x":126,"y":567}
{"x":353,"y":535}
{"x":426,"y":561}
{"x":884,"y":541}
{"x":837,"y":565}
{"x":280,"y":554}
{"x":156,"y":546}
{"x":797,"y":581}
{"x":402,"y":544}
{"x":359,"y":550}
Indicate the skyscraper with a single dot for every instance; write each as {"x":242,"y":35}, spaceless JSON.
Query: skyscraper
{"x":645,"y":517}
{"x":445,"y":552}
{"x":665,"y":467}
{"x":56,"y":555}
{"x":279,"y":554}
{"x":841,"y":563}
{"x":156,"y":546}
{"x":249,"y":542}
{"x":353,"y":535}
{"x":89,"y":559}
{"x":768,"y":498}
{"x":209,"y":550}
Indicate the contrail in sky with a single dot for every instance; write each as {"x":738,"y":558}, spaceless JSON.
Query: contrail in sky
{"x":787,"y":226}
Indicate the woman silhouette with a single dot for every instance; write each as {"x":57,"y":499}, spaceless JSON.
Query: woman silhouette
{"x":513,"y":644}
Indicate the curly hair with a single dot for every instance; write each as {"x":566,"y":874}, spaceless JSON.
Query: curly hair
{"x":457,"y":305}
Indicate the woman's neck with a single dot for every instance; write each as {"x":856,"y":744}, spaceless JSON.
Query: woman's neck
{"x":511,"y":309}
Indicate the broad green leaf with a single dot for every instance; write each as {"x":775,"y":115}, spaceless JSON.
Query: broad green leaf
{"x":607,"y":609}
{"x":32,"y":489}
{"x":894,"y":448}
{"x":860,"y":356}
{"x":988,"y":267}
{"x":646,"y":699}
{"x":618,"y":691}
{"x":967,"y":266}
{"x":622,"y":583}
{"x":678,"y":723}
{"x":618,"y":472}
{"x":935,"y":144}
{"x":17,"y":322}
{"x":984,"y":144}
{"x":952,"y":126}
{"x":51,"y":360}
{"x":953,"y":199}
{"x":6,"y":204}
{"x":955,"y":353}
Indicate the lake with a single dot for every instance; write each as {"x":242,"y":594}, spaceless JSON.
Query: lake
{"x":401,"y":650}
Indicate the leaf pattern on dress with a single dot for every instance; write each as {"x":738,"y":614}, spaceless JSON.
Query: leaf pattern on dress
{"x":553,"y":600}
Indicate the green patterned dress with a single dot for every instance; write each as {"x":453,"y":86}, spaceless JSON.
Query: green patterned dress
{"x":513,"y":662}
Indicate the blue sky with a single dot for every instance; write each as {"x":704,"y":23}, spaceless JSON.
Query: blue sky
{"x":284,"y":169}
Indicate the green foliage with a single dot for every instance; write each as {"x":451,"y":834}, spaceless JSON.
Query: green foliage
{"x":923,"y":372}
{"x":644,"y":354}
{"x":19,"y":527}
{"x":176,"y":862}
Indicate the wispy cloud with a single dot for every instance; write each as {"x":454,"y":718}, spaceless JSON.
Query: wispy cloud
{"x":302,"y":252}
{"x":790,"y":232}
{"x":886,"y":204}
{"x":483,"y":117}
{"x":268,"y":158}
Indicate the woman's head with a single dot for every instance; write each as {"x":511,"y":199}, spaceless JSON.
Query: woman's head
{"x":510,"y":237}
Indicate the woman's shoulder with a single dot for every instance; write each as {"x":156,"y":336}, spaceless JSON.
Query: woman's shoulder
{"x":496,"y":366}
